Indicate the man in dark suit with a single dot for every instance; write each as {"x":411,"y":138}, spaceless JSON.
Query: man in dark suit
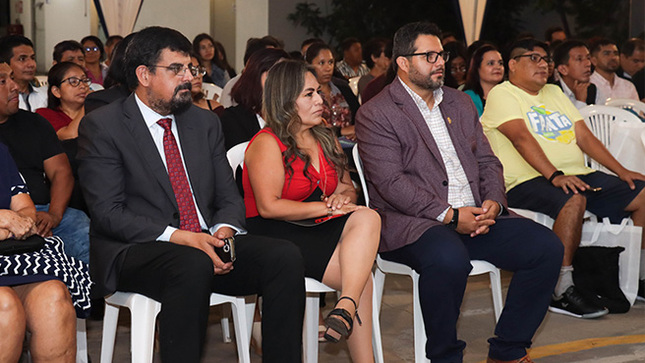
{"x":440,"y":192}
{"x":161,"y":193}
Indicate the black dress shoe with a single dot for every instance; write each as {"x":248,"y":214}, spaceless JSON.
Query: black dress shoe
{"x":572,"y":303}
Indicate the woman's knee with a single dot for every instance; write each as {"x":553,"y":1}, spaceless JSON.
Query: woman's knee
{"x":11,"y":309}
{"x":366,"y":217}
{"x":52,"y":299}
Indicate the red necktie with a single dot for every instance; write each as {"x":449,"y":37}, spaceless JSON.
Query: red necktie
{"x":188,"y":219}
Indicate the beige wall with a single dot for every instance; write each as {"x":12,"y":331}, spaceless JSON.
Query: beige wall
{"x":189,"y":17}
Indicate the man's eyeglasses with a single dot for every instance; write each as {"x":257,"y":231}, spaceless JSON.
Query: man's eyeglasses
{"x":535,"y":57}
{"x":92,"y":49}
{"x":75,"y":81}
{"x":180,"y":70}
{"x":431,"y":57}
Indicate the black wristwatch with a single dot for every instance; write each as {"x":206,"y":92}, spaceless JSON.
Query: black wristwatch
{"x":455,"y":219}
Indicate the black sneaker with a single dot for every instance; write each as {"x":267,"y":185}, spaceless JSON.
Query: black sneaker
{"x":572,"y":303}
{"x":641,"y":290}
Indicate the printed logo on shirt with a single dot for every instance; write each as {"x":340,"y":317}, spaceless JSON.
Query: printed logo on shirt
{"x":551,"y":125}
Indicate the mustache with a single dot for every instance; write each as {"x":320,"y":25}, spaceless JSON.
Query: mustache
{"x":439,"y":70}
{"x":184,"y":86}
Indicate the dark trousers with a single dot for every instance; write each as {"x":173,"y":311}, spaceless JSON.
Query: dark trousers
{"x":182,"y":279}
{"x":442,"y":259}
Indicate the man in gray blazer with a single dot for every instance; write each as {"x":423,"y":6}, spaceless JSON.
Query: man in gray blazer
{"x":440,"y":192}
{"x":161,"y":193}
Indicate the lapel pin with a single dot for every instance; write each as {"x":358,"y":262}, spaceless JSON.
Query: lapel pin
{"x":449,"y":120}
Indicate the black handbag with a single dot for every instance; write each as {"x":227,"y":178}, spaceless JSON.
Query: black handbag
{"x":12,"y":246}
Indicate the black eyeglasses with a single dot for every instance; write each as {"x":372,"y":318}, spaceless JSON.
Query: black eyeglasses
{"x":535,"y":57}
{"x":75,"y":81}
{"x":431,"y":57}
{"x":180,"y":70}
{"x":92,"y":49}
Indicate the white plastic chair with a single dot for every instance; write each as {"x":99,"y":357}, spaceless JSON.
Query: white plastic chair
{"x":235,"y":155}
{"x":389,"y":267}
{"x":42,"y":80}
{"x":144,"y":310}
{"x":600,"y":120}
{"x":81,"y":341}
{"x":627,"y":103}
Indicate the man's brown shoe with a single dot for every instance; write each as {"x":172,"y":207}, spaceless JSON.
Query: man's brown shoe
{"x":525,"y":359}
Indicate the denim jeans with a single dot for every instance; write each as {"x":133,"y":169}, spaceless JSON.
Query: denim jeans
{"x":74,"y":230}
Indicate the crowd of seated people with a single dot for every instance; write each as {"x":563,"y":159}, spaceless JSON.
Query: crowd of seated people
{"x":587,"y":72}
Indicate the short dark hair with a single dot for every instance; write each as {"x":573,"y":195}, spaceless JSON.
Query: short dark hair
{"x":98,"y":43}
{"x":116,"y":72}
{"x":348,"y":42}
{"x":113,"y":39}
{"x":407,"y":35}
{"x":561,"y":52}
{"x":597,"y":43}
{"x":255,"y":44}
{"x":55,"y":78}
{"x":548,"y":34}
{"x":631,"y":45}
{"x":456,"y":50}
{"x":310,"y":41}
{"x":248,"y":90}
{"x":374,"y":47}
{"x":146,"y":47}
{"x":524,"y":45}
{"x":65,"y":46}
{"x":8,"y":43}
{"x":314,"y":50}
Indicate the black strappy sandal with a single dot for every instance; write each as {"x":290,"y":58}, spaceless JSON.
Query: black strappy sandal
{"x":336,"y":328}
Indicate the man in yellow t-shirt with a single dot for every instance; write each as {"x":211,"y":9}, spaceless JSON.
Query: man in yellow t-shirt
{"x":540,"y":137}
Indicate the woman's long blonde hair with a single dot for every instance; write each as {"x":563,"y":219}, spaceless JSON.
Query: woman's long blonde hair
{"x":285,"y":81}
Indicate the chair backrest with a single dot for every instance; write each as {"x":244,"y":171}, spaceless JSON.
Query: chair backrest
{"x":359,"y":169}
{"x":353,"y":84}
{"x":600,"y":120}
{"x":627,"y":103}
{"x":235,"y":156}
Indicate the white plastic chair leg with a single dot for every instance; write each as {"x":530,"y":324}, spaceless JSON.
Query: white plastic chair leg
{"x":242,"y":329}
{"x":226,"y":330}
{"x":81,"y":341}
{"x":496,"y":290}
{"x":377,"y":343}
{"x":310,"y":330}
{"x":142,"y":339}
{"x":419,"y":329}
{"x":110,"y":320}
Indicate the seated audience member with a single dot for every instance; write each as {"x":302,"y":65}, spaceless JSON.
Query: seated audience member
{"x":198,"y":71}
{"x":40,"y":158}
{"x":158,"y":238}
{"x":241,"y":122}
{"x":252,"y":45}
{"x":448,"y":37}
{"x":632,"y":58}
{"x":352,"y":64}
{"x":313,"y":183}
{"x":441,"y":198}
{"x":456,"y":66}
{"x":378,"y":56}
{"x":223,"y":61}
{"x":110,"y":44}
{"x":116,"y":86}
{"x":540,"y":138}
{"x":485,"y":72}
{"x":606,"y":60}
{"x":204,"y":47}
{"x":554,"y":33}
{"x":339,"y":102}
{"x":94,"y":55}
{"x":34,"y":297}
{"x":573,"y":62}
{"x":18,"y":52}
{"x":639,"y":82}
{"x":69,"y":51}
{"x":373,"y":88}
{"x":68,"y":87}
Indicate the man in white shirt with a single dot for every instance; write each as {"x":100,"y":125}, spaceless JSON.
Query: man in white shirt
{"x":18,"y":52}
{"x":606,"y":60}
{"x":573,"y":62}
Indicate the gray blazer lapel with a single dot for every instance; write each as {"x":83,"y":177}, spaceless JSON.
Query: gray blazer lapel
{"x":147,"y":149}
{"x":407,"y":105}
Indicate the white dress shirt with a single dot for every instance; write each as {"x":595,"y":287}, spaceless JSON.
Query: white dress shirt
{"x":156,"y":131}
{"x":459,"y":192}
{"x":622,"y":88}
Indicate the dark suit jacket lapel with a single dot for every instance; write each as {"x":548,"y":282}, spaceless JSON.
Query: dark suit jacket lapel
{"x":137,"y":126}
{"x":407,"y":105}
